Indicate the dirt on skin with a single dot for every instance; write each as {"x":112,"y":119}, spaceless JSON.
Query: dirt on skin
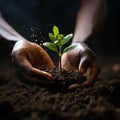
{"x":20,"y":101}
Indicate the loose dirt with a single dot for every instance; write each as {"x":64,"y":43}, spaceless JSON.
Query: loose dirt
{"x":20,"y":101}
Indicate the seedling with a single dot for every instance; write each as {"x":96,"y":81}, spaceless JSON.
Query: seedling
{"x":57,"y":42}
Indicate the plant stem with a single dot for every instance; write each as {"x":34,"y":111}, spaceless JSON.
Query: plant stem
{"x":60,"y":54}
{"x":59,"y":63}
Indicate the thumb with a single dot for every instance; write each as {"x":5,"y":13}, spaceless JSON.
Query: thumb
{"x":84,"y":64}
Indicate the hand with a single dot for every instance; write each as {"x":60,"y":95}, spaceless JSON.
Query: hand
{"x":28,"y":57}
{"x":82,"y":59}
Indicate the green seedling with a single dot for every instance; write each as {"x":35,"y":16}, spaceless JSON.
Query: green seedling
{"x":57,"y":42}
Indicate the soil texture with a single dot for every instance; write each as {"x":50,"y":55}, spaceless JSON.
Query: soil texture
{"x":20,"y":101}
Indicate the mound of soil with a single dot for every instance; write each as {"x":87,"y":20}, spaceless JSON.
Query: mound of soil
{"x":63,"y":79}
{"x":20,"y":101}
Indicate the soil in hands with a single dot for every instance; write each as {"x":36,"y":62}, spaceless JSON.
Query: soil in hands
{"x":63,"y":79}
{"x":20,"y":101}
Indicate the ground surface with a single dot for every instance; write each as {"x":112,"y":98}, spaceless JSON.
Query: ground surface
{"x":24,"y":102}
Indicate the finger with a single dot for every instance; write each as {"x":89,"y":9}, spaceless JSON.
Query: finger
{"x":84,"y":64}
{"x":73,"y":86}
{"x":33,"y":72}
{"x":94,"y":71}
{"x":24,"y":65}
{"x":93,"y":74}
{"x":67,"y":66}
{"x":39,"y":73}
{"x":31,"y":80}
{"x":82,"y":85}
{"x":65,"y":62}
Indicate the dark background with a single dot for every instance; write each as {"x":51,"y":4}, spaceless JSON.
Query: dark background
{"x":37,"y":17}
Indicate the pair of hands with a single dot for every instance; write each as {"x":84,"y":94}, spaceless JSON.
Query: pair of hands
{"x":28,"y":57}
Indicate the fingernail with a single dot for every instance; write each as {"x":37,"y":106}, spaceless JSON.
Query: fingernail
{"x":49,"y":77}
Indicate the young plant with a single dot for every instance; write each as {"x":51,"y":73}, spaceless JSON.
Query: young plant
{"x":57,"y":42}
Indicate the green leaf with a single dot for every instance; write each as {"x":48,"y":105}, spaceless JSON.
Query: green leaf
{"x":51,"y":46}
{"x":66,"y":39}
{"x":55,"y":30}
{"x":67,"y":49}
{"x":60,"y":36}
{"x":56,"y":42}
{"x":52,"y":37}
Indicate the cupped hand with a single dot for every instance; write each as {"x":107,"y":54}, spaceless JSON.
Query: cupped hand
{"x":28,"y":57}
{"x":84,"y":60}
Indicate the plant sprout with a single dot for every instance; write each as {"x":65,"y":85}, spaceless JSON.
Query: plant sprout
{"x":57,"y":42}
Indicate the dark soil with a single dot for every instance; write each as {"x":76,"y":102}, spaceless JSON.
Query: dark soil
{"x":63,"y":79}
{"x":20,"y":101}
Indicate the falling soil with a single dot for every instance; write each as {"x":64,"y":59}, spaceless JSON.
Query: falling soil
{"x":20,"y":101}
